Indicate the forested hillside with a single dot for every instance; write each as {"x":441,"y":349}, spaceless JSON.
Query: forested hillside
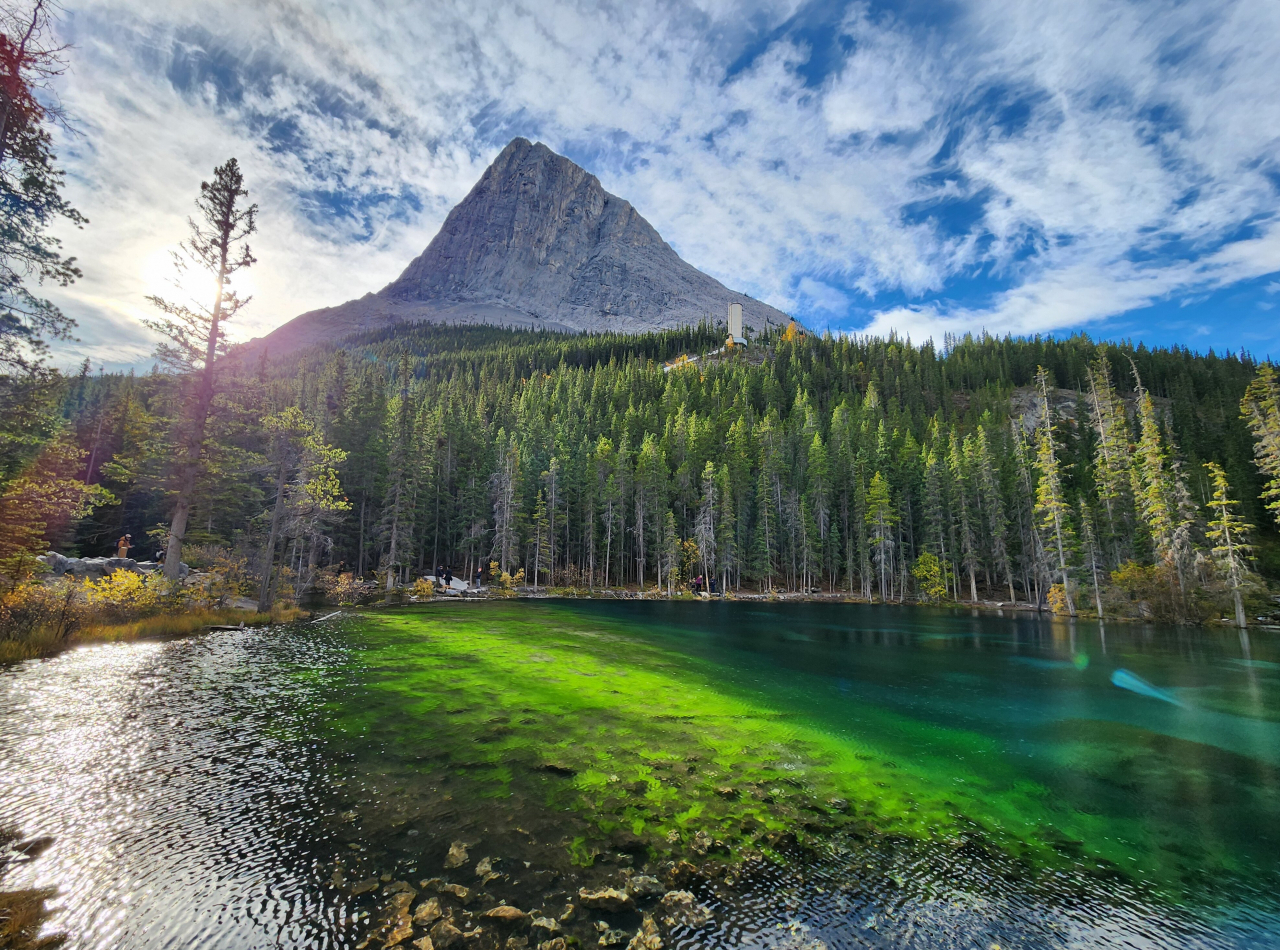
{"x":875,"y":468}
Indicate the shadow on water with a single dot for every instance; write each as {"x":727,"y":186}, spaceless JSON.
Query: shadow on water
{"x":270,"y":787}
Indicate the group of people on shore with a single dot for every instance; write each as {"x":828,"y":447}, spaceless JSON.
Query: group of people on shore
{"x":701,"y":585}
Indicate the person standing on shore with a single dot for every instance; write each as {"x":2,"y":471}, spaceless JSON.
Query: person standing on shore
{"x":123,"y":546}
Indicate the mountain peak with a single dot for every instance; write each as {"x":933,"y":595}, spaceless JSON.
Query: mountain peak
{"x":538,"y":242}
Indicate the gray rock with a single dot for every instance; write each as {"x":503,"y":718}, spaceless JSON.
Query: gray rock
{"x":537,"y":243}
{"x":96,"y":568}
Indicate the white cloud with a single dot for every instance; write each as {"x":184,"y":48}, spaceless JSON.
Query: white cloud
{"x":1111,"y":147}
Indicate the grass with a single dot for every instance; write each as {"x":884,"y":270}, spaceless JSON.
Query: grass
{"x":46,"y":643}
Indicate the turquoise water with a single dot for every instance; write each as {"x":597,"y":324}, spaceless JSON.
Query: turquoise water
{"x":210,"y":791}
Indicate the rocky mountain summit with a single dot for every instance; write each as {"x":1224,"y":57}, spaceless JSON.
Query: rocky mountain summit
{"x":537,"y":243}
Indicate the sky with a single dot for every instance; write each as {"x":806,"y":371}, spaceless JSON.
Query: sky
{"x":919,"y":167}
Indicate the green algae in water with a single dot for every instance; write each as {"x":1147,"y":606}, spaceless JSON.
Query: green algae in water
{"x":631,"y":743}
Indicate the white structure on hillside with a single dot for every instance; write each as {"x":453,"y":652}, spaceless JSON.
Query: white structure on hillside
{"x":735,"y":325}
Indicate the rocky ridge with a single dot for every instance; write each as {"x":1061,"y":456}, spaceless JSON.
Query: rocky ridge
{"x":538,"y":242}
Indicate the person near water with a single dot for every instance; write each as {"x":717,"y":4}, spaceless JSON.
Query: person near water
{"x":123,"y":546}
{"x":479,"y":577}
{"x":448,"y":576}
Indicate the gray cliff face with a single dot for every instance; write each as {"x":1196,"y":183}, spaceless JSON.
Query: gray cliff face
{"x":537,"y":242}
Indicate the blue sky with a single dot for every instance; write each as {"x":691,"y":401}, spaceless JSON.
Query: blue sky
{"x":1112,"y":167}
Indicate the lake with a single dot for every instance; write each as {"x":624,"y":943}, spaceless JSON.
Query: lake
{"x":739,"y":774}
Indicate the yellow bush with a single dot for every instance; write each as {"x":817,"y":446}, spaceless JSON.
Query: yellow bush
{"x":1057,"y":598}
{"x":424,"y":589}
{"x":124,"y":592}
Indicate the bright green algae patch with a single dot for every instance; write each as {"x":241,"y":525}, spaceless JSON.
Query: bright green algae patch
{"x":661,"y":747}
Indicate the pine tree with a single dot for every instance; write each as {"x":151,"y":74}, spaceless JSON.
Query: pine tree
{"x":505,"y":486}
{"x":1260,"y":408}
{"x":669,"y":558}
{"x":1230,"y":536}
{"x":396,"y":504}
{"x":704,"y":534}
{"x":541,"y":536}
{"x":1112,"y":471}
{"x":963,"y":509}
{"x":1051,"y":504}
{"x":993,"y":508}
{"x":1091,"y":551}
{"x":193,"y":331}
{"x":881,"y":518}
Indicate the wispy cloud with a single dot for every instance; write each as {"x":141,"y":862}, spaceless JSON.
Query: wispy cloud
{"x":1013,"y":168}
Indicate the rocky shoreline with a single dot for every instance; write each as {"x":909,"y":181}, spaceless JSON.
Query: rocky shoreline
{"x":640,"y":910}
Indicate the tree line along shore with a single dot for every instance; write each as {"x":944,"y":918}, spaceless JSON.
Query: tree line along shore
{"x":872,"y":469}
{"x":1074,"y":476}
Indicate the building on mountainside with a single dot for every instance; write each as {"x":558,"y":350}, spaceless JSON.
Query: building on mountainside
{"x":735,"y":326}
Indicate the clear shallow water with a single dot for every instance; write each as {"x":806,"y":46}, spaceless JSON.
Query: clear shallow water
{"x":202,"y":792}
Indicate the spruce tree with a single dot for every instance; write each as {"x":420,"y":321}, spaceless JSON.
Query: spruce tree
{"x":193,"y":330}
{"x":1051,"y":503}
{"x":881,"y":518}
{"x":1230,"y":536}
{"x":1260,"y":408}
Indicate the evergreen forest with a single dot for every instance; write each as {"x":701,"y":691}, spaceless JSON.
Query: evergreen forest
{"x":1063,"y":473}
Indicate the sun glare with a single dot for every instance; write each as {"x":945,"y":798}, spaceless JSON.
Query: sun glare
{"x":192,"y":286}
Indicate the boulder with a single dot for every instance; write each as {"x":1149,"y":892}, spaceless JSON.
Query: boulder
{"x":95,"y":568}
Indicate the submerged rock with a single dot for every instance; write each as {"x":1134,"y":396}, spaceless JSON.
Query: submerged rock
{"x":517,"y":943}
{"x":457,"y":890}
{"x":506,"y":913}
{"x":484,"y":868}
{"x":457,"y":855}
{"x":681,"y":909}
{"x":647,"y":937}
{"x":428,"y":912}
{"x":611,"y":937}
{"x":642,"y":886}
{"x":556,"y":944}
{"x":364,"y":887}
{"x":424,"y":943}
{"x":445,"y":934}
{"x":545,"y":923}
{"x":608,"y":899}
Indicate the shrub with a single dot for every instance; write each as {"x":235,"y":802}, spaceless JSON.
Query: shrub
{"x":126,"y":595}
{"x":424,"y":588}
{"x":43,"y":612}
{"x":929,"y":578}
